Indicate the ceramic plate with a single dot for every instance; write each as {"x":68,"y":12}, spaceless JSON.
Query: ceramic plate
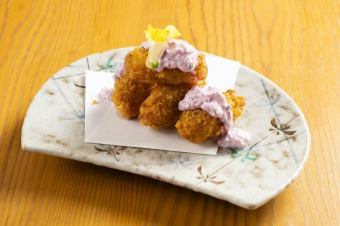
{"x":54,"y":125}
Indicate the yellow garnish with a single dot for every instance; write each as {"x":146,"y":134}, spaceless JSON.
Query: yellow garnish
{"x":161,"y":35}
{"x":156,"y":52}
{"x":173,"y":31}
{"x":156,"y":34}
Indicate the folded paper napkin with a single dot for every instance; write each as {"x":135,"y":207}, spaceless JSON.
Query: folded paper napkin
{"x":103,"y":125}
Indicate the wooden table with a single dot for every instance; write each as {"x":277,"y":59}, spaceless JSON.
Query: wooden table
{"x":294,"y":43}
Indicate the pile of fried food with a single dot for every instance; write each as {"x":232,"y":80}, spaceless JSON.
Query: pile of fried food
{"x":153,"y":98}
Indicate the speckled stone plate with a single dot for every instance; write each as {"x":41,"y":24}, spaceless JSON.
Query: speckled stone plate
{"x":54,"y":125}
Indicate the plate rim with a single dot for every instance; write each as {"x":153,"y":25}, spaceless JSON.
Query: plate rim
{"x":231,"y":199}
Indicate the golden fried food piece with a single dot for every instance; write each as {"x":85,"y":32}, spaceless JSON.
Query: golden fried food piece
{"x":160,"y":109}
{"x":135,"y":68}
{"x":237,"y":103}
{"x":128,"y":95}
{"x":197,"y":126}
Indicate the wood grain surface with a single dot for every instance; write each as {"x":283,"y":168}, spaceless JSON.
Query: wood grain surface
{"x":294,"y":43}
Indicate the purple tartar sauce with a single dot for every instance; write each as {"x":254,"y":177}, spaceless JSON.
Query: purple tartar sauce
{"x":234,"y":138}
{"x":212,"y":101}
{"x":178,"y":54}
{"x":105,"y":94}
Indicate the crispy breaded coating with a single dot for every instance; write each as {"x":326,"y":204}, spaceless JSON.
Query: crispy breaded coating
{"x":135,"y":68}
{"x":237,"y":103}
{"x":197,"y":126}
{"x":160,"y":109}
{"x":128,"y":95}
